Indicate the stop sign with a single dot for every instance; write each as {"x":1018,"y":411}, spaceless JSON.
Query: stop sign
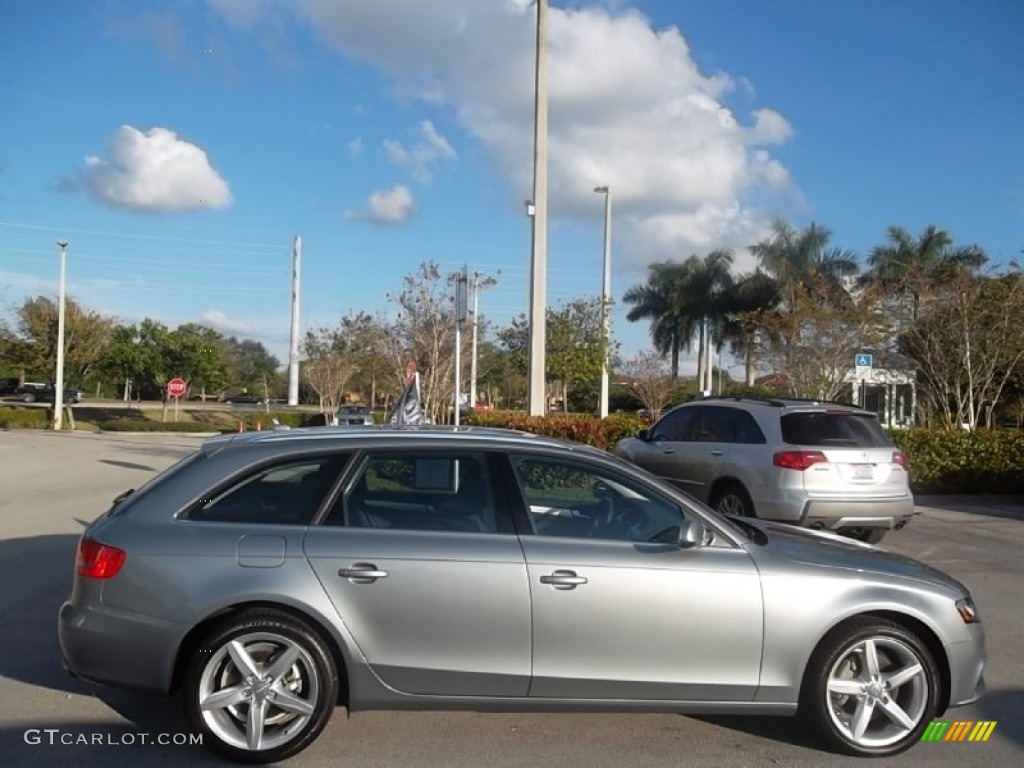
{"x":176,"y":387}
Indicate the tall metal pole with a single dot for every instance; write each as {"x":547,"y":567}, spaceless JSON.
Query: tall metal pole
{"x":293,"y":352}
{"x":472,"y":362}
{"x":539,"y":254}
{"x":58,"y":394}
{"x":461,"y":307}
{"x":606,"y":297}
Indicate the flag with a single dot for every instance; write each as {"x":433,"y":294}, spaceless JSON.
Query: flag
{"x":408,"y":409}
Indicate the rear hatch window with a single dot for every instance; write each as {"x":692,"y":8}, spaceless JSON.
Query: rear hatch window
{"x":834,"y":429}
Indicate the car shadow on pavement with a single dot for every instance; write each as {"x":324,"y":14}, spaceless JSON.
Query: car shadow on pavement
{"x":127,"y":465}
{"x":788,"y":730}
{"x":1006,"y":506}
{"x":37,"y":573}
{"x":1006,"y":708}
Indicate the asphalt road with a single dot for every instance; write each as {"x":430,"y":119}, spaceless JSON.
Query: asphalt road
{"x":51,"y":485}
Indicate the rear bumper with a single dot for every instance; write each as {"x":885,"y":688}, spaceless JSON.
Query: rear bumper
{"x":834,"y":515}
{"x":117,"y":648}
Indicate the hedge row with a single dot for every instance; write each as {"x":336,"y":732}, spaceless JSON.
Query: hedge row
{"x":579,"y":427}
{"x":24,"y":418}
{"x":986,"y":461}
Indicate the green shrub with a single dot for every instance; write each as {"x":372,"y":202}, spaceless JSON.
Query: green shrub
{"x":24,"y":418}
{"x":580,"y":428}
{"x":941,"y":461}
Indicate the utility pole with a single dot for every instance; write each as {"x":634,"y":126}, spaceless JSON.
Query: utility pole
{"x":58,"y":385}
{"x":472,"y":362}
{"x":461,"y":304}
{"x":293,"y":353}
{"x":606,"y":297}
{"x":539,"y":256}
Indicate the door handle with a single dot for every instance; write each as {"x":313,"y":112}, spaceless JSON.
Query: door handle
{"x":667,"y":450}
{"x":717,"y":452}
{"x":563,"y":580}
{"x":362,"y":572}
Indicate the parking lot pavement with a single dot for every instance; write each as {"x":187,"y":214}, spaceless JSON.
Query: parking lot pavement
{"x":52,"y":484}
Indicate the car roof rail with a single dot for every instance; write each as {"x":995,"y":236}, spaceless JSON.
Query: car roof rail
{"x":816,"y":401}
{"x":742,"y":399}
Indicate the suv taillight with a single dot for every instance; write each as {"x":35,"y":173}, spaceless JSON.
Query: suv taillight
{"x":899,"y":457}
{"x":98,"y":561}
{"x":798,"y":460}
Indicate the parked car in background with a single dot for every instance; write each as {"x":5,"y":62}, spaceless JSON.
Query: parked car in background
{"x":815,"y":464}
{"x":243,"y":398}
{"x":31,"y":392}
{"x":271,"y":575}
{"x":351,"y":414}
{"x":9,"y":386}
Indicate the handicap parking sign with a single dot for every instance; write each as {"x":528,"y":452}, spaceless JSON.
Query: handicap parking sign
{"x":863,"y":360}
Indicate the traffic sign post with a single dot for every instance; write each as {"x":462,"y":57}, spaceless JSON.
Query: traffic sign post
{"x":862,"y":363}
{"x":176,"y":388}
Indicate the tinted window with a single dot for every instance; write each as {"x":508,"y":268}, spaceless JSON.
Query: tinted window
{"x":747,"y":430}
{"x":288,"y":493}
{"x":674,"y":427}
{"x":713,"y":424}
{"x":834,"y":428}
{"x":566,"y":499}
{"x":429,"y":491}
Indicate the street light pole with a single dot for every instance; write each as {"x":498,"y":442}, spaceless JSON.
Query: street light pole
{"x":539,"y":256}
{"x":472,"y":363}
{"x":58,"y":394}
{"x":606,"y":297}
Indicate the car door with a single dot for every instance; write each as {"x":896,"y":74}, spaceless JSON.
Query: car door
{"x":420,"y":558}
{"x":706,"y":454}
{"x":660,"y":452}
{"x":620,"y":611}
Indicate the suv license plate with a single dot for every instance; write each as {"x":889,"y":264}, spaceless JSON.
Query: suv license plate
{"x":863,"y":472}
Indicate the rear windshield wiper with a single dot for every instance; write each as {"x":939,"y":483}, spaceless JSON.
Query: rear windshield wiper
{"x":122,"y":497}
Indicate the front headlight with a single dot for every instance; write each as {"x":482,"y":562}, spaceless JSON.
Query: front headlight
{"x":968,"y":610}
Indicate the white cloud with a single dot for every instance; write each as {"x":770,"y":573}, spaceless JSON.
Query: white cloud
{"x":218,"y":320}
{"x":629,"y":108}
{"x":389,"y":207}
{"x":153,"y":171}
{"x":355,"y":147}
{"x":430,"y":148}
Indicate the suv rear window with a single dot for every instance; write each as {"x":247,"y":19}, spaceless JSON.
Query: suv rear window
{"x":856,"y":430}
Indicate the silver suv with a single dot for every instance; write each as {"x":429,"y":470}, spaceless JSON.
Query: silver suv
{"x":816,"y":464}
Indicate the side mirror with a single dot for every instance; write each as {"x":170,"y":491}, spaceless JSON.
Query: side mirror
{"x":643,"y":434}
{"x":691,"y":533}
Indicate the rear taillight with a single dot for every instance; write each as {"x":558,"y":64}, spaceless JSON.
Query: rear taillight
{"x":799,"y":460}
{"x":98,"y":561}
{"x":899,"y":457}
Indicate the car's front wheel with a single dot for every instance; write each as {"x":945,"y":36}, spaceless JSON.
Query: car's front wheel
{"x":260,"y":687}
{"x":871,"y":688}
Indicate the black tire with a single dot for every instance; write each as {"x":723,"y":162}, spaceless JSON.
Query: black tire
{"x":832,"y":716}
{"x":732,"y":499}
{"x":311,"y":679}
{"x":867,"y":535}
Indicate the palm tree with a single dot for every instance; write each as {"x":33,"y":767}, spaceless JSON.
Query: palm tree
{"x":660,"y":300}
{"x":909,"y":266}
{"x":753,"y":296}
{"x":800,"y":260}
{"x":708,"y":303}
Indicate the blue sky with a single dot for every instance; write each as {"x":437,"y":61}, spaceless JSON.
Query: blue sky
{"x":398,"y":131}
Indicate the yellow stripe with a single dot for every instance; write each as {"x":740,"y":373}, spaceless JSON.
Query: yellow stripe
{"x":978,"y":728}
{"x":988,"y":731}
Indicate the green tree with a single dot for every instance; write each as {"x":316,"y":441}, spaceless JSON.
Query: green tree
{"x":33,"y":345}
{"x":194,"y":353}
{"x":661,"y":300}
{"x":914,"y":267}
{"x":249,"y":366}
{"x":801,"y":262}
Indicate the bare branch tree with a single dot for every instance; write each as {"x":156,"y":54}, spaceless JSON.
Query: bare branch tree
{"x":650,"y":378}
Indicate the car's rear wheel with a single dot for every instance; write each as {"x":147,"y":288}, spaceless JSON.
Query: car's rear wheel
{"x":870,"y":689}
{"x":733,"y":500}
{"x":28,"y":397}
{"x":260,"y":687}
